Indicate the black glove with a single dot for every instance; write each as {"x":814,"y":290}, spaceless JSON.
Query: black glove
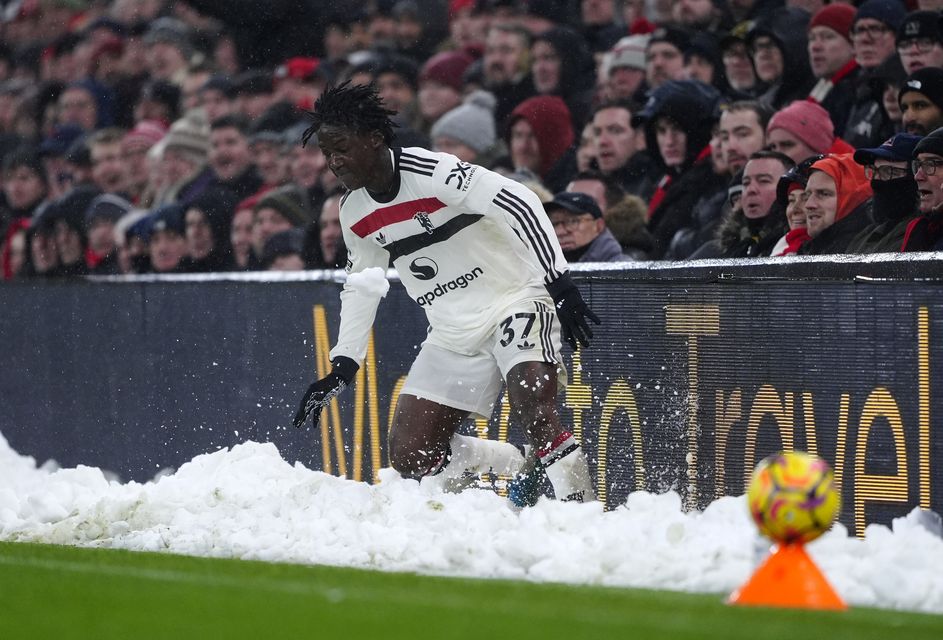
{"x":320,"y":393}
{"x":572,"y":311}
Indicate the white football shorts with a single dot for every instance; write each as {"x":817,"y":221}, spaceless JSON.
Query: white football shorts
{"x":529,"y":332}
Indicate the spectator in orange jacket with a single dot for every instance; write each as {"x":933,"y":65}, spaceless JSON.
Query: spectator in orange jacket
{"x":836,"y":197}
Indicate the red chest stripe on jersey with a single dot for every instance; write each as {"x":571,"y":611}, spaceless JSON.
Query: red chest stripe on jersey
{"x":397,"y":213}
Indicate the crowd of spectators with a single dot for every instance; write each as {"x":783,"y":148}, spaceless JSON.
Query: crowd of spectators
{"x":141,"y":136}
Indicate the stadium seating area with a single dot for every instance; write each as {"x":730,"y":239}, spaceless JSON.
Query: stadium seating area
{"x":148,"y":136}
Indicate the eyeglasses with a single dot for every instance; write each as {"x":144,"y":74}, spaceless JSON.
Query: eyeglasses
{"x":871,"y":30}
{"x":924,"y":45}
{"x":929,"y":166}
{"x":885,"y":172}
{"x":758,"y":45}
{"x":735,"y":53}
{"x":570,"y":222}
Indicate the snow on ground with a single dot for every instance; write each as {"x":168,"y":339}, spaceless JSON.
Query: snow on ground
{"x":246,"y":502}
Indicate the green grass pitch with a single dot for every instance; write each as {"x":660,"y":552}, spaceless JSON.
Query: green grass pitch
{"x":55,"y":592}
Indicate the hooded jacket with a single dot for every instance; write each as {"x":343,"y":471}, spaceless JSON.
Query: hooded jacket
{"x":218,"y":205}
{"x":691,"y":105}
{"x":787,"y":27}
{"x":549,"y":117}
{"x":577,"y":72}
{"x":853,"y":191}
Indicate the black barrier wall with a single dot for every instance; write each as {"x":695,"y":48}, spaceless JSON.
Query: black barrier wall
{"x":698,"y":371}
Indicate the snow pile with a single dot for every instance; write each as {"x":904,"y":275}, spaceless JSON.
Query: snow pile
{"x":247,"y":502}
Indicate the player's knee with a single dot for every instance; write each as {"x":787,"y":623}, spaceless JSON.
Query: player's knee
{"x":402,"y":463}
{"x":415,"y":463}
{"x":406,"y":462}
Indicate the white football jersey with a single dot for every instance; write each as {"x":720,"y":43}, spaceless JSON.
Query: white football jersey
{"x":466,"y":242}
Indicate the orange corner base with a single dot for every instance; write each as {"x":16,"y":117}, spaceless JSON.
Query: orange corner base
{"x":788,"y":578}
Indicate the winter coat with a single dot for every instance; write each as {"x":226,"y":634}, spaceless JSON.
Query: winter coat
{"x":509,"y":97}
{"x":604,"y":248}
{"x":105,"y":266}
{"x":837,"y":94}
{"x":219,"y":206}
{"x":924,"y":233}
{"x":626,"y":220}
{"x":13,"y":221}
{"x":244,"y":185}
{"x":868,"y":125}
{"x":639,"y":175}
{"x":882,"y":237}
{"x":691,"y":106}
{"x":706,"y":217}
{"x":837,"y":237}
{"x":675,"y":211}
{"x":887,"y":230}
{"x":742,"y":237}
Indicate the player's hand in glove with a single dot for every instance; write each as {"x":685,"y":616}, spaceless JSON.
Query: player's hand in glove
{"x":320,"y":393}
{"x":572,"y":311}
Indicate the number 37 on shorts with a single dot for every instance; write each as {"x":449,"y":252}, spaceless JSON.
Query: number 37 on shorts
{"x":530,"y":332}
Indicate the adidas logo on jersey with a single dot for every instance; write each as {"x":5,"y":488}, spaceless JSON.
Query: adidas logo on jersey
{"x":444,"y":288}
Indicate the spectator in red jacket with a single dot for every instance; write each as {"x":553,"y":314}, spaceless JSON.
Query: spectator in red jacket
{"x":926,"y":232}
{"x":540,"y":138}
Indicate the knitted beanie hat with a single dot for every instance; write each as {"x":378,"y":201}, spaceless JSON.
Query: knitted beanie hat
{"x":837,"y":17}
{"x":290,"y":202}
{"x":628,"y":52}
{"x":890,"y":12}
{"x":446,"y":68}
{"x":932,"y":143}
{"x":926,"y":80}
{"x":190,"y":134}
{"x":107,"y":206}
{"x":144,"y":135}
{"x":807,"y":121}
{"x":471,"y":123}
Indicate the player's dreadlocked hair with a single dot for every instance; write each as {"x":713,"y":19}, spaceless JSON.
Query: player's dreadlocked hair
{"x":356,"y":107}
